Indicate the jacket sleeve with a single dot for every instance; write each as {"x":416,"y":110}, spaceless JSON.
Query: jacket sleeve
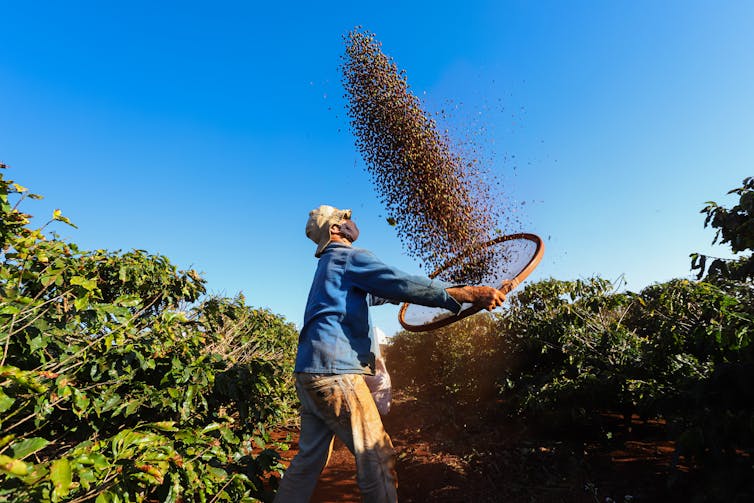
{"x":373,"y":300}
{"x":375,"y":277}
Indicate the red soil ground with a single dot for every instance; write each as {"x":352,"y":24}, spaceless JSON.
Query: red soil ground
{"x":440,"y":460}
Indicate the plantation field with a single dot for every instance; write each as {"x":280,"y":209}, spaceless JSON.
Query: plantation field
{"x":442,"y":461}
{"x":122,"y":381}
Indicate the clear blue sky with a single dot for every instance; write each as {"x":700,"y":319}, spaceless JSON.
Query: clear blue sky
{"x":206,"y":131}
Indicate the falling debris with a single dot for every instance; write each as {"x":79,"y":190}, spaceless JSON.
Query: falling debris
{"x":438,"y":200}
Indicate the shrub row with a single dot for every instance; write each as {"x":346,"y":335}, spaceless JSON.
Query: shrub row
{"x":122,"y":383}
{"x":564,"y":353}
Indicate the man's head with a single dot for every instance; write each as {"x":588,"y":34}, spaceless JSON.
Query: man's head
{"x":326,"y":223}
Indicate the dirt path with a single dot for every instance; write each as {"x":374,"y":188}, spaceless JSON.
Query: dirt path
{"x":425,"y":471}
{"x":441,"y":461}
{"x":337,"y":484}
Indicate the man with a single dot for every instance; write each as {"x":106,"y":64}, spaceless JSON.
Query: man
{"x":337,"y":348}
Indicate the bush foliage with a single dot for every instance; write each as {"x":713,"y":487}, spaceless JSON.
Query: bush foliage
{"x":566,"y":352}
{"x":123,"y":382}
{"x":120,"y":384}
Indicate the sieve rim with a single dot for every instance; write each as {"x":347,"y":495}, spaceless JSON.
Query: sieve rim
{"x":506,"y":286}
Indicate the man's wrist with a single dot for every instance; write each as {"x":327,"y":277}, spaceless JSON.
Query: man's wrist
{"x":460,"y":294}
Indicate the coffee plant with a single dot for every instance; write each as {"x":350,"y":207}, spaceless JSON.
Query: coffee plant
{"x":735,"y":227}
{"x":571,"y":353}
{"x":119,"y":384}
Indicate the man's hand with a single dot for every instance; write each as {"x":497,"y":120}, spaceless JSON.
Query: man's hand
{"x":485,"y":297}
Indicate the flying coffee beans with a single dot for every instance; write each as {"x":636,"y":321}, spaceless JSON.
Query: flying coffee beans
{"x":436,"y":199}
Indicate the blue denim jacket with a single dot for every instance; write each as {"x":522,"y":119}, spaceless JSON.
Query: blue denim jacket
{"x":337,"y":334}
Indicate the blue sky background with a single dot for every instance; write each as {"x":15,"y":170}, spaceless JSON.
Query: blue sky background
{"x":206,"y":131}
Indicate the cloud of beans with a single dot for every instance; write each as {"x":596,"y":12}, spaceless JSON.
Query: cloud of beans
{"x":439,"y":203}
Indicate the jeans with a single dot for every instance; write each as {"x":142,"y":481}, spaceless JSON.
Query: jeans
{"x":339,"y":404}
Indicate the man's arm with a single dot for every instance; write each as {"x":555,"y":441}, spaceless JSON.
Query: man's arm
{"x":381,"y":280}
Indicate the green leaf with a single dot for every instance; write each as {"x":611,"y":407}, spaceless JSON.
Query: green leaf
{"x":38,"y":472}
{"x":175,"y":489}
{"x":37,"y":342}
{"x":217,"y":473}
{"x":81,"y":401}
{"x":100,"y":461}
{"x":128,"y":300}
{"x":58,"y":215}
{"x":14,"y":466}
{"x":163,"y":426}
{"x":86,"y":477}
{"x":28,"y":446}
{"x":5,"y":401}
{"x":88,"y":284}
{"x":111,"y":402}
{"x":228,"y":435}
{"x":61,"y":476}
{"x":8,"y":309}
{"x":49,"y":279}
{"x":133,"y":406}
{"x":108,"y":497}
{"x":210,"y":427}
{"x":81,"y":303}
{"x":6,"y":440}
{"x":26,"y":378}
